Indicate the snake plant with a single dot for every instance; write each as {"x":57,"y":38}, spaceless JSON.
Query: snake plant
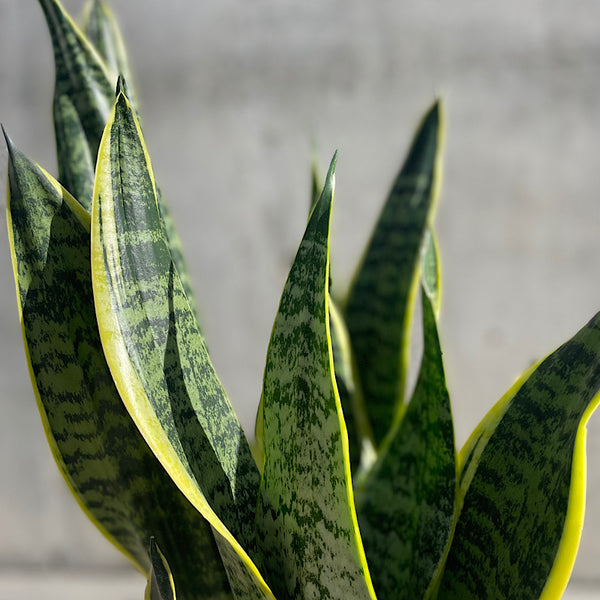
{"x":354,"y":489}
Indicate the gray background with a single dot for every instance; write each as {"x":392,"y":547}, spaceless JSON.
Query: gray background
{"x":233,"y":94}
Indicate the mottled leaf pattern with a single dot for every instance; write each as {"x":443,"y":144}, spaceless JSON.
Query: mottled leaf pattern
{"x":521,"y":516}
{"x":406,"y":504}
{"x":147,"y":441}
{"x":84,"y":94}
{"x":307,"y":530}
{"x":154,"y":347}
{"x":82,"y":86}
{"x":76,"y":163}
{"x":355,"y":415}
{"x":160,"y":583}
{"x":381,"y":299}
{"x":102,"y":30}
{"x":108,"y":466}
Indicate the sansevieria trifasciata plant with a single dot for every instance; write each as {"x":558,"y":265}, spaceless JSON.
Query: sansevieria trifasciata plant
{"x":353,"y":488}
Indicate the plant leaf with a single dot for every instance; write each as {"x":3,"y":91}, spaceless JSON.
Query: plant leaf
{"x":523,"y":481}
{"x":306,"y":524}
{"x":102,"y":30}
{"x":105,"y":461}
{"x":353,"y":409}
{"x":82,"y":86}
{"x":406,"y":503}
{"x":355,"y":415}
{"x":430,"y":270}
{"x":156,"y":352}
{"x":83,"y":98}
{"x":76,"y":164}
{"x":160,"y":583}
{"x":381,"y":299}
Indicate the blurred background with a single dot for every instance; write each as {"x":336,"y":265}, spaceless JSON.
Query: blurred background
{"x":234,"y":95}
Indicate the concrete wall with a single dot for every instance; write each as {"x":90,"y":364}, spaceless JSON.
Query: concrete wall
{"x":233,"y":93}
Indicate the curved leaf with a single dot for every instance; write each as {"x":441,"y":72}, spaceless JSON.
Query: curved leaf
{"x":156,"y":352}
{"x":360,"y":439}
{"x":105,"y":461}
{"x":102,"y":30}
{"x":84,"y":94}
{"x":306,"y":523}
{"x":381,"y":299}
{"x":76,"y":163}
{"x":82,"y":79}
{"x":523,"y":481}
{"x":430,"y":270}
{"x":406,"y":505}
{"x":160,"y":583}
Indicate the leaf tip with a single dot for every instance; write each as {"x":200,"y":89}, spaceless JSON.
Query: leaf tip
{"x":122,"y":88}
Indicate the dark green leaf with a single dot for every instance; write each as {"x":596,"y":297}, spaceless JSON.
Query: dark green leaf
{"x":381,"y":299}
{"x":102,"y":30}
{"x":523,"y":481}
{"x":83,"y":95}
{"x":105,"y":461}
{"x":406,"y":504}
{"x":160,"y":583}
{"x":156,"y":352}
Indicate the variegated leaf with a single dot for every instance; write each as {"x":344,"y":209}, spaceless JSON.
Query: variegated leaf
{"x":306,"y":523}
{"x":105,"y":461}
{"x":406,"y":504}
{"x":102,"y":30}
{"x":522,"y":481}
{"x":84,"y":94}
{"x":161,"y":585}
{"x":157,"y":355}
{"x":381,"y":299}
{"x":355,"y":415}
{"x":82,"y":88}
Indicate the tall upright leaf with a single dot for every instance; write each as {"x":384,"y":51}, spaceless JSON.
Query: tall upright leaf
{"x":83,"y":98}
{"x":102,"y":30}
{"x":307,"y":529}
{"x":355,"y":415}
{"x":381,"y":299}
{"x":105,"y":461}
{"x":83,"y":92}
{"x":523,"y":481}
{"x":406,"y":504}
{"x":157,"y":355}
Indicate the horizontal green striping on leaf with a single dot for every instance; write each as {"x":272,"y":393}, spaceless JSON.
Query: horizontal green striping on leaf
{"x":517,"y":509}
{"x":156,"y":352}
{"x":104,"y":459}
{"x":406,"y":504}
{"x":102,"y":31}
{"x":81,"y":76}
{"x":381,"y":298}
{"x":76,"y":163}
{"x":307,"y":530}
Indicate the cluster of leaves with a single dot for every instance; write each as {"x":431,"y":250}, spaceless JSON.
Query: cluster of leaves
{"x":355,"y":489}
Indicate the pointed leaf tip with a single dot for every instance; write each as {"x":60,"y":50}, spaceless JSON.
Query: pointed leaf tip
{"x":121,"y":86}
{"x":334,"y":161}
{"x":9,"y":143}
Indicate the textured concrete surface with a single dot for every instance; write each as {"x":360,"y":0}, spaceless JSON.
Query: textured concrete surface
{"x":232,"y":95}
